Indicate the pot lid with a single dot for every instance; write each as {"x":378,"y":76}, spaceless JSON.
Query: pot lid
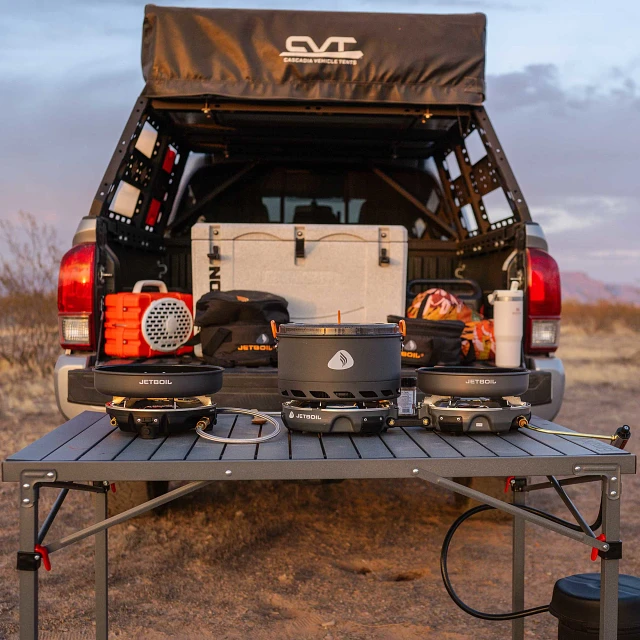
{"x":309,"y":330}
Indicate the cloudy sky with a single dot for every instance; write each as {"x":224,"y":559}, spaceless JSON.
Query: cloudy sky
{"x":563,"y":94}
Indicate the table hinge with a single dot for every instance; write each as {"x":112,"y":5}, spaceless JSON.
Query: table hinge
{"x":28,"y":561}
{"x":610,"y":472}
{"x":29,"y":481}
{"x":614,"y":552}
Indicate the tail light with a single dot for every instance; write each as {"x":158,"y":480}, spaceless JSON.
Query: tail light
{"x":544,"y":302}
{"x":76,"y":298}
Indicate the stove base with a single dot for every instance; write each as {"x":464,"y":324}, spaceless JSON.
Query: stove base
{"x":157,"y":418}
{"x":369,"y":418}
{"x":456,"y":415}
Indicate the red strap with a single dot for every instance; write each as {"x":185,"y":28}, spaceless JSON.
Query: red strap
{"x":44,"y":553}
{"x":507,"y":485}
{"x":595,"y":550}
{"x":113,"y":487}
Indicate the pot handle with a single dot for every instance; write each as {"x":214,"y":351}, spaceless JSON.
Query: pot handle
{"x":162,"y":287}
{"x":403,"y":327}
{"x":274,"y":329}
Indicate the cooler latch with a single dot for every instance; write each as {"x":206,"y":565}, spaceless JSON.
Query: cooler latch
{"x":214,"y":256}
{"x":214,"y":249}
{"x":384,"y":253}
{"x":299,"y":244}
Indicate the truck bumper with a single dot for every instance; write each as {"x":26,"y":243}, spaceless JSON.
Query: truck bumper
{"x":545,"y":400}
{"x":67,"y":387}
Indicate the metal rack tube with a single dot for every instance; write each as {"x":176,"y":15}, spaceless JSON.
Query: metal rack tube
{"x":48,"y":521}
{"x":563,"y":483}
{"x":572,"y":507}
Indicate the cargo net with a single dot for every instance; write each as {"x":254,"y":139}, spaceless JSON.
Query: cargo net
{"x":167,"y":324}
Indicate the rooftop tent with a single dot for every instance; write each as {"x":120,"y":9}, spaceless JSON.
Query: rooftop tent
{"x":309,"y":55}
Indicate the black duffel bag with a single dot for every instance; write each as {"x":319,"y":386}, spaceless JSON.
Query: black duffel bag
{"x":235,"y":327}
{"x":431,"y":342}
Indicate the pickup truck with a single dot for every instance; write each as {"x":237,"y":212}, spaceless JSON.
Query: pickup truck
{"x":362,"y":119}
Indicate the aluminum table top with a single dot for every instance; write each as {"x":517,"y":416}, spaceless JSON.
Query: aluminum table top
{"x":88,"y":447}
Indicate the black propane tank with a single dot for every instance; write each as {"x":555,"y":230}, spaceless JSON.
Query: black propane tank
{"x":576,"y":604}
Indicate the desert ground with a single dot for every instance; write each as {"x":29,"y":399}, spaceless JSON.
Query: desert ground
{"x":349,"y":561}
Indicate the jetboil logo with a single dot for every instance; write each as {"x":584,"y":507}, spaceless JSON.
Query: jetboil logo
{"x":304,"y":50}
{"x":304,"y":416}
{"x":341,"y":360}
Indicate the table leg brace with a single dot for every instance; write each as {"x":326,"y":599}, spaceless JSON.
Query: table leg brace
{"x":517,"y":600}
{"x":609,"y":569}
{"x":29,"y":579}
{"x":101,"y":568}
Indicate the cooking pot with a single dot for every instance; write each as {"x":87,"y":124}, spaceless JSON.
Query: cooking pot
{"x":344,"y":362}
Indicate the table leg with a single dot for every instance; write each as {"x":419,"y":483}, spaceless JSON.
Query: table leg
{"x":101,"y":569}
{"x":29,"y":579}
{"x":609,"y":569}
{"x":517,"y":569}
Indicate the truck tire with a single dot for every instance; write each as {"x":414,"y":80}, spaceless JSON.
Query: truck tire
{"x":131,"y":494}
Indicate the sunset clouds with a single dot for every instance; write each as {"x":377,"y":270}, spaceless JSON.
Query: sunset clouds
{"x":563,"y":94}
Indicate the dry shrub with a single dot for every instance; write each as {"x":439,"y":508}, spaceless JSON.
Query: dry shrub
{"x":28,"y":277}
{"x":29,"y":331}
{"x":601,"y":316}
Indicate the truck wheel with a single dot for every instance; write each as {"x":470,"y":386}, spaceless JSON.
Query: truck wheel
{"x":131,"y":494}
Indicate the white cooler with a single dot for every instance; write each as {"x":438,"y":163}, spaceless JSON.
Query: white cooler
{"x":360,"y":270}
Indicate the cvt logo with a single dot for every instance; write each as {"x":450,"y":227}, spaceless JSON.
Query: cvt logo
{"x":341,"y":360}
{"x":303,"y":49}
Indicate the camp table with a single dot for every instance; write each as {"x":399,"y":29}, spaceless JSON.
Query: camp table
{"x":88,"y":454}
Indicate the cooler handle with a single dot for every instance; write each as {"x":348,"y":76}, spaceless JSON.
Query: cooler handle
{"x":162,"y":287}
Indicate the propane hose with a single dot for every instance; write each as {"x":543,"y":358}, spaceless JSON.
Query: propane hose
{"x":623,"y":433}
{"x":444,"y":571}
{"x":444,"y":568}
{"x":203,"y":423}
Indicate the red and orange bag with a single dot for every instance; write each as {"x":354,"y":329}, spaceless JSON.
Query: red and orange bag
{"x":478,"y":342}
{"x":478,"y":335}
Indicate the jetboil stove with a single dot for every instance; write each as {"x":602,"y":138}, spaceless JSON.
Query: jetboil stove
{"x":347,"y":378}
{"x":339,"y":377}
{"x":463,"y":399}
{"x":158,"y":400}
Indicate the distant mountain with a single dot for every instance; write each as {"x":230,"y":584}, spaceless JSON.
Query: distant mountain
{"x":577,"y":285}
